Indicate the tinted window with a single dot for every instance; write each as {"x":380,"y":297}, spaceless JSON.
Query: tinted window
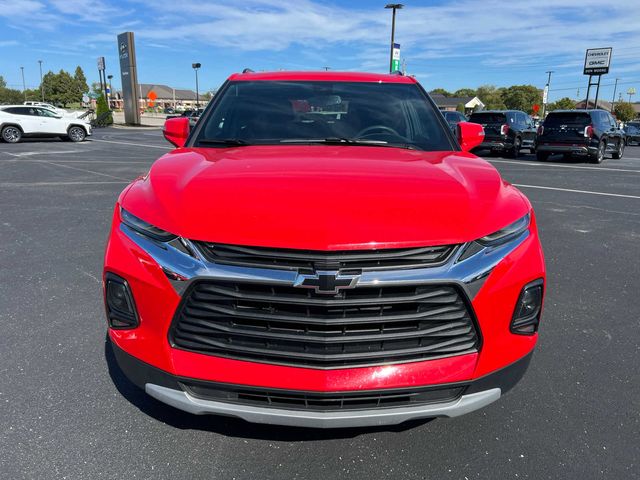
{"x":488,"y":117}
{"x":567,"y":118}
{"x":273,"y":112}
{"x":43,"y":112}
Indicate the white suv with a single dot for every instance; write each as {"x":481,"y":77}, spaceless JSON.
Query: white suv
{"x":17,"y":121}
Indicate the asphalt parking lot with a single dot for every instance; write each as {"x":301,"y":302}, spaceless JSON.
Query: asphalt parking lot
{"x":67,"y":412}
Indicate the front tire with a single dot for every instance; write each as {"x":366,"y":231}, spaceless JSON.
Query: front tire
{"x":76,"y":134}
{"x":11,"y":134}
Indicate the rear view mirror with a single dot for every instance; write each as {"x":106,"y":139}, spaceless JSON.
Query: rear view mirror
{"x":470,"y":135}
{"x":176,"y":131}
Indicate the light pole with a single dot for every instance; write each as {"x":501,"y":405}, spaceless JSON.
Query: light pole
{"x":24,"y":86}
{"x":393,"y":7}
{"x":546,"y":96}
{"x":41,"y":85}
{"x":196,"y":66}
{"x":613,"y":101}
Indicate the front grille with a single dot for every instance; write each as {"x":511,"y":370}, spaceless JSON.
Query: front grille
{"x":296,"y":326}
{"x":319,"y":401}
{"x":290,"y":259}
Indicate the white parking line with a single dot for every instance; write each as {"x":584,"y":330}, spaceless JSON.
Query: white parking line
{"x":578,"y":191}
{"x":553,"y":165}
{"x":133,"y":144}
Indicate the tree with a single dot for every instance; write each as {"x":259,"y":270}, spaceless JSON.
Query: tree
{"x":465,"y":92}
{"x":491,"y":97}
{"x":460,"y":108}
{"x":81,"y":81}
{"x":624,"y":111}
{"x":3,"y":84}
{"x":563,"y":104}
{"x":61,"y":88}
{"x":441,"y":91}
{"x":521,"y":97}
{"x":10,"y":96}
{"x":102,"y":108}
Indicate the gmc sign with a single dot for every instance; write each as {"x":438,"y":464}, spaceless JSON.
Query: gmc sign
{"x":597,"y":61}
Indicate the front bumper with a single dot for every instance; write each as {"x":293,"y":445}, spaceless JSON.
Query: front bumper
{"x":159,"y":274}
{"x":169,"y":389}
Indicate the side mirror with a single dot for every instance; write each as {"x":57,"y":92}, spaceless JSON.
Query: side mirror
{"x":176,"y":131}
{"x":470,"y":135}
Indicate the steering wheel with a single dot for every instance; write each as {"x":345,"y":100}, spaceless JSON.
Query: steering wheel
{"x":380,"y":128}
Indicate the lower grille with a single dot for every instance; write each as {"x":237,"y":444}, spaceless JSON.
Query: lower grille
{"x":317,"y":401}
{"x":296,"y":326}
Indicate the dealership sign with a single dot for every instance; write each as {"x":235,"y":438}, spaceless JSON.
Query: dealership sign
{"x":395,"y":58}
{"x":597,"y":61}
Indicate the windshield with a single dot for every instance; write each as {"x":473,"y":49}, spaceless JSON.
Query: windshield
{"x":567,"y":118}
{"x":488,"y":118}
{"x":290,"y":112}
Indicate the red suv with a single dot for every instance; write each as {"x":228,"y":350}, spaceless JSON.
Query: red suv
{"x":321,"y":250}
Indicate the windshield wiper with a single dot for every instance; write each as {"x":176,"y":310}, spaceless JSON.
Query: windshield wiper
{"x":350,"y":141}
{"x":223,"y":141}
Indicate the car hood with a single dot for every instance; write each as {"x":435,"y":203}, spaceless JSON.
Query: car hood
{"x":324,"y":197}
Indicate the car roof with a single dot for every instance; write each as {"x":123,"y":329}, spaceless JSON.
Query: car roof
{"x":322,"y":76}
{"x":499,"y":111}
{"x":579,"y":110}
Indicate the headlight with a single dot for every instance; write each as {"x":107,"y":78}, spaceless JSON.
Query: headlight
{"x":145,"y":228}
{"x":507,"y":233}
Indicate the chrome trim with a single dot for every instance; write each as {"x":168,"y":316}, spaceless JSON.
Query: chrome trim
{"x":183,"y":268}
{"x":330,"y":419}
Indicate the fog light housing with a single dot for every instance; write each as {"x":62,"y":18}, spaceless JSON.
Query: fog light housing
{"x":121,"y":309}
{"x":526,"y":316}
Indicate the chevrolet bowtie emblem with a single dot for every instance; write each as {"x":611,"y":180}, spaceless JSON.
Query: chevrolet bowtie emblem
{"x":326,"y":281}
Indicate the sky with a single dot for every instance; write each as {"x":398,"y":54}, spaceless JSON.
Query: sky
{"x":449,"y":44}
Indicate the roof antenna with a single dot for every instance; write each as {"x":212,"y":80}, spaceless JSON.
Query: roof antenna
{"x":247,"y":70}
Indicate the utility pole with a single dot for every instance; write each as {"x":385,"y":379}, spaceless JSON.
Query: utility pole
{"x":24,"y":86}
{"x":196,"y":66}
{"x":613,"y":101}
{"x":545,"y":96}
{"x":393,"y":7}
{"x":41,"y":84}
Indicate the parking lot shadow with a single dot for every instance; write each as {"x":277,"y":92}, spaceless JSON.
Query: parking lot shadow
{"x":229,"y":426}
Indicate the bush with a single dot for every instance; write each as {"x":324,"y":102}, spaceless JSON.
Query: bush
{"x":102,"y":108}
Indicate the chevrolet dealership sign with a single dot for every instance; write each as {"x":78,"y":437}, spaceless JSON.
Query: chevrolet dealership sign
{"x":597,"y":61}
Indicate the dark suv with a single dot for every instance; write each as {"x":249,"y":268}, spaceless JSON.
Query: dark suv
{"x":506,"y":131}
{"x":583,"y":133}
{"x":453,"y":119}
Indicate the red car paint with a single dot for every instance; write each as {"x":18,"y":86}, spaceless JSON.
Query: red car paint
{"x":324,"y":198}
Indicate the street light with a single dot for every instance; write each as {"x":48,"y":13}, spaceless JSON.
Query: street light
{"x":196,"y":66}
{"x":41,"y":85}
{"x":24,"y":86}
{"x":393,"y":7}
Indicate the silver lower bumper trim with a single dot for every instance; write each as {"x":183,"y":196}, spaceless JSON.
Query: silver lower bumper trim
{"x":330,"y":419}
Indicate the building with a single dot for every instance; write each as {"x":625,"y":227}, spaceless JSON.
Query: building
{"x":451,"y":103}
{"x":165,"y":96}
{"x":602,"y":104}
